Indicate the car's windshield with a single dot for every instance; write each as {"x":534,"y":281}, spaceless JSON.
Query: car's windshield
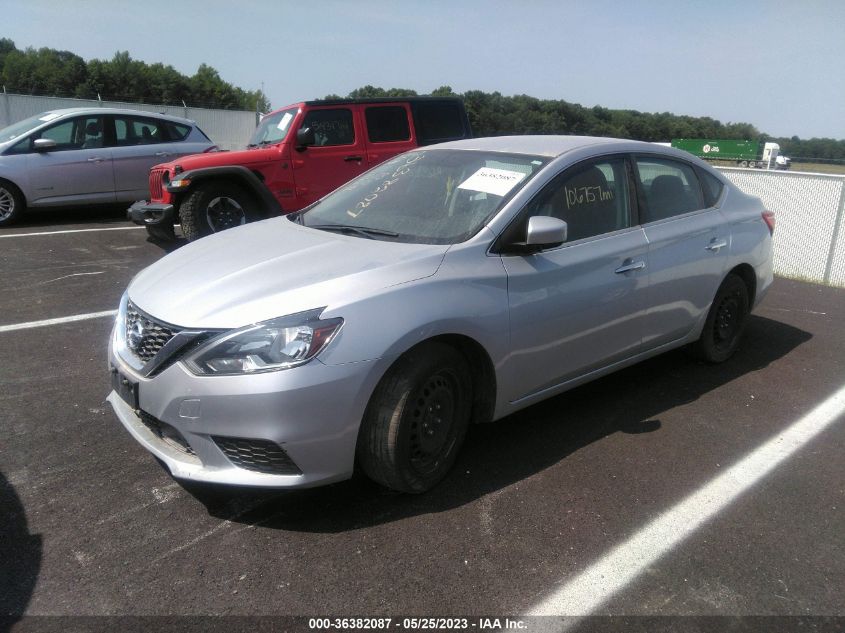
{"x":273,"y":128}
{"x":20,"y":128}
{"x":434,"y":196}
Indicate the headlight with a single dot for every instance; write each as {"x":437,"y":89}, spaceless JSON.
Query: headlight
{"x":269,"y":346}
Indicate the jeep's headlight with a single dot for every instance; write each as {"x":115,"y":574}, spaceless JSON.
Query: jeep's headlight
{"x":269,"y":346}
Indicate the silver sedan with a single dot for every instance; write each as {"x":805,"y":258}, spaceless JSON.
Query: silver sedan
{"x":454,"y":284}
{"x":81,"y":156}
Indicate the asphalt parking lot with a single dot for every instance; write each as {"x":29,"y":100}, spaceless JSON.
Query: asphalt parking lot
{"x":92,"y":525}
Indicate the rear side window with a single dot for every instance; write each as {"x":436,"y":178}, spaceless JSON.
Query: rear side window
{"x":668,"y":188}
{"x":177,"y":131}
{"x":438,"y":121}
{"x":388,"y":123}
{"x":331,"y":127}
{"x":712,"y":187}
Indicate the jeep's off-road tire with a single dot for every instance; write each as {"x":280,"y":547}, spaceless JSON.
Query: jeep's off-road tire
{"x":725,"y":322}
{"x":161,"y":233}
{"x":417,"y":419}
{"x":214,"y":207}
{"x":12,"y":203}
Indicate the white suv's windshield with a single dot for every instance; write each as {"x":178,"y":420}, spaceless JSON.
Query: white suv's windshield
{"x":22,"y":127}
{"x":425,"y":196}
{"x":273,"y":128}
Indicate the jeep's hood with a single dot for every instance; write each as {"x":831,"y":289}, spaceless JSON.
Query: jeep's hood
{"x":221,"y":159}
{"x":273,"y":268}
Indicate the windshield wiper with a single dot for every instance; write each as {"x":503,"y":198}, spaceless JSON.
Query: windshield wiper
{"x":357,"y":230}
{"x":260,"y":144}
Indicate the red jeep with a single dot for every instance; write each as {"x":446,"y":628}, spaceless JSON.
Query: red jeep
{"x":296,"y":156}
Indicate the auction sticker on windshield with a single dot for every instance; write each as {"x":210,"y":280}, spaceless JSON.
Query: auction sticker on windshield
{"x":283,"y":124}
{"x":497,"y":182}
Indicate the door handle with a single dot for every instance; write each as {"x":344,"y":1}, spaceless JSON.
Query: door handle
{"x":96,"y":159}
{"x":629,"y":265}
{"x":162,"y":153}
{"x":716,"y":244}
{"x":349,"y":159}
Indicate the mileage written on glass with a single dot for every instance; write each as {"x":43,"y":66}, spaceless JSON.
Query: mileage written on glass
{"x":497,"y":182}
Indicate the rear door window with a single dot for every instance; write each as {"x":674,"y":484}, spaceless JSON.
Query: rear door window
{"x":130,"y":130}
{"x":668,"y":188}
{"x":387,"y":123}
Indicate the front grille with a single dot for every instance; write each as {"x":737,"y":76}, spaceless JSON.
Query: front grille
{"x":156,"y":191}
{"x":261,"y":456}
{"x":167,"y":434}
{"x":144,"y":335}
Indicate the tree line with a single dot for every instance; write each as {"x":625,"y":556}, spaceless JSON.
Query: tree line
{"x":493,"y":114}
{"x":50,"y":72}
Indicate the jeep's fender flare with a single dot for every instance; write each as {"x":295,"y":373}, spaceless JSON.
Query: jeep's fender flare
{"x":238,"y":173}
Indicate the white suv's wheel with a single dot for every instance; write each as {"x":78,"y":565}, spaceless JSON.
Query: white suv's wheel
{"x":11,"y":203}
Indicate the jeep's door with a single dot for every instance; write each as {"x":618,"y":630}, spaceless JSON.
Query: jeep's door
{"x":337,"y":156}
{"x":388,"y":131}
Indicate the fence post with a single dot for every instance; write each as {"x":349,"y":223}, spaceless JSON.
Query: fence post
{"x":7,"y":120}
{"x":185,"y":105}
{"x":837,"y":227}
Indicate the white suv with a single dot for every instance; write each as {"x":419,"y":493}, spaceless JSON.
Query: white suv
{"x":87,"y":156}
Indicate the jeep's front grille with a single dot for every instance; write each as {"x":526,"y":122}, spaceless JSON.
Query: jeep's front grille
{"x":156,"y":191}
{"x":144,"y":335}
{"x":168,"y":435}
{"x":262,"y":456}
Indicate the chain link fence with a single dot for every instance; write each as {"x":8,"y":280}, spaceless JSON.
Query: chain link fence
{"x":809,"y":240}
{"x":228,"y":129}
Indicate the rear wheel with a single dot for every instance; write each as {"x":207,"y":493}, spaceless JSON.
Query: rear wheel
{"x":416,"y":420}
{"x":725,"y":322}
{"x":12,"y":204}
{"x":211,"y":208}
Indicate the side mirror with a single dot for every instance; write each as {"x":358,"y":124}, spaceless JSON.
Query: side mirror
{"x":304,"y":138}
{"x":43,"y":144}
{"x":545,"y":232}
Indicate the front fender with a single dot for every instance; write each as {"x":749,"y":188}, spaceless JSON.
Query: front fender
{"x":245,"y":177}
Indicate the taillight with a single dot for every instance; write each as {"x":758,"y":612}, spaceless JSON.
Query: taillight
{"x":769,"y":219}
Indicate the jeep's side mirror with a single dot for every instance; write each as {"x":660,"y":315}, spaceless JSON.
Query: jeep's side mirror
{"x":304,"y":138}
{"x":545,"y":232}
{"x":43,"y":144}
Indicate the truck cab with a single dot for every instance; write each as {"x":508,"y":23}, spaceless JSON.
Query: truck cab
{"x":296,"y":155}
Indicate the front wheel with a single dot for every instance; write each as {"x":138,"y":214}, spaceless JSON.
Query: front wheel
{"x":416,"y":420}
{"x":725,"y":322}
{"x":211,"y":208}
{"x":12,"y":204}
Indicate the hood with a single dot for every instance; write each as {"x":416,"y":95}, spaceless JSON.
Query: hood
{"x":221,"y":159}
{"x":273,"y":268}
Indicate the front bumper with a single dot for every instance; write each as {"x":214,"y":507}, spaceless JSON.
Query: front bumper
{"x":151,"y":213}
{"x":312,"y":413}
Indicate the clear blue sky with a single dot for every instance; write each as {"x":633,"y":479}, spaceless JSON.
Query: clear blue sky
{"x":777,"y":64}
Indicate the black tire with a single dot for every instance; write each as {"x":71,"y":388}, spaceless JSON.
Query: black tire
{"x":162,"y":234}
{"x":725,"y":322}
{"x":230,"y":204}
{"x":12,"y":203}
{"x":417,"y":419}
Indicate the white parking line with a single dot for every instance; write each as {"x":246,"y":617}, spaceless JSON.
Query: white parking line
{"x":589,"y":589}
{"x":67,"y":319}
{"x":117,"y":228}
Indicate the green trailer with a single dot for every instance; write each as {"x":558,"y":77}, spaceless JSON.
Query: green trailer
{"x":743,"y":153}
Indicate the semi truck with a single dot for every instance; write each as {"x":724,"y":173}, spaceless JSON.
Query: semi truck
{"x":743,"y":153}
